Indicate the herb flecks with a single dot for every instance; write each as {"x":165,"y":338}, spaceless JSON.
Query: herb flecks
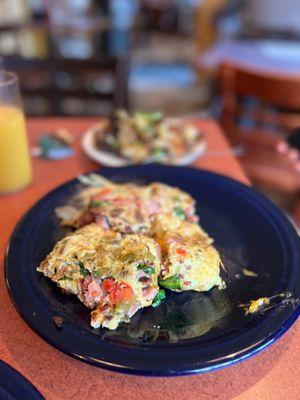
{"x":97,"y":203}
{"x":146,"y":268}
{"x":160,"y":296}
{"x":178,"y":211}
{"x":173,"y":283}
{"x":83,"y":271}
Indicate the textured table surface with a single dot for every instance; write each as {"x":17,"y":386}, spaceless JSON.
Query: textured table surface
{"x":271,"y":375}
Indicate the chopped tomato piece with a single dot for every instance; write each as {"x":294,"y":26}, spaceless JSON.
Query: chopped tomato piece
{"x":121,"y":202}
{"x":121,"y":293}
{"x":181,"y":252}
{"x":118,"y":292}
{"x":108,"y":284}
{"x":101,"y":193}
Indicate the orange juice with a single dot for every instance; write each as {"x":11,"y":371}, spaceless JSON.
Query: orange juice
{"x":15,"y":167}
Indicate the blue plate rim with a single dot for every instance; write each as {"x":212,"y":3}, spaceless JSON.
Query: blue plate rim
{"x":21,"y":383}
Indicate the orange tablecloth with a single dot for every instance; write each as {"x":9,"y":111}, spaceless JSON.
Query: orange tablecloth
{"x":271,"y":375}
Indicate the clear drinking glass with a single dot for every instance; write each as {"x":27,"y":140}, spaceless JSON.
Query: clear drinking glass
{"x":15,"y":166}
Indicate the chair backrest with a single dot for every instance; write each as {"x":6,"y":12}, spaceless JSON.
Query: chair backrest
{"x":54,"y":84}
{"x":278,"y":97}
{"x":112,"y":71}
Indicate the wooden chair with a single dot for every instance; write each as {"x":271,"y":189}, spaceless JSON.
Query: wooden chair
{"x":274,"y":90}
{"x":264,"y":165}
{"x":53,"y":81}
{"x":206,"y":22}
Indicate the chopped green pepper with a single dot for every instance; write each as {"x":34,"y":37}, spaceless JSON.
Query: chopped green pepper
{"x":97,"y":203}
{"x":84,"y":272}
{"x":178,"y":211}
{"x":155,"y":116}
{"x":147,"y":269}
{"x":112,"y":141}
{"x":172,"y":283}
{"x":160,"y":296}
{"x":158,"y":153}
{"x":97,"y":273}
{"x":150,"y":117}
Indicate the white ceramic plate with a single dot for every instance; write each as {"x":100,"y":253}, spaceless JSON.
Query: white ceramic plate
{"x":111,"y":160}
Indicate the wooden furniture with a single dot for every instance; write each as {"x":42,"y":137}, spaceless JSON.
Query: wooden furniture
{"x":77,"y":71}
{"x":158,"y":15}
{"x":273,"y":374}
{"x":269,"y":56}
{"x":280,"y":91}
{"x":110,"y":70}
{"x":56,"y":80}
{"x":263,"y":164}
{"x":206,"y":22}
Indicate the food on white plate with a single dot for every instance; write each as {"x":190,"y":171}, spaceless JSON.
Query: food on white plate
{"x":131,"y":242}
{"x":147,"y":137}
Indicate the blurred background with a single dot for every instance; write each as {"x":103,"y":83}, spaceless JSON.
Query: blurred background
{"x":88,"y":56}
{"x":237,"y":61}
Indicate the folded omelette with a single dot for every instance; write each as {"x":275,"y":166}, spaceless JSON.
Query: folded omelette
{"x":129,"y":243}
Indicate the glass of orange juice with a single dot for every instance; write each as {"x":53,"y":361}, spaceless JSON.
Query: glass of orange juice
{"x":15,"y":166}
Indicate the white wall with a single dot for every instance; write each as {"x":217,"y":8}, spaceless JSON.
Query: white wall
{"x":277,"y":14}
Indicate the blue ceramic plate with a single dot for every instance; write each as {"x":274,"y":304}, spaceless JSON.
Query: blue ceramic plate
{"x":190,"y":332}
{"x":13,"y":385}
